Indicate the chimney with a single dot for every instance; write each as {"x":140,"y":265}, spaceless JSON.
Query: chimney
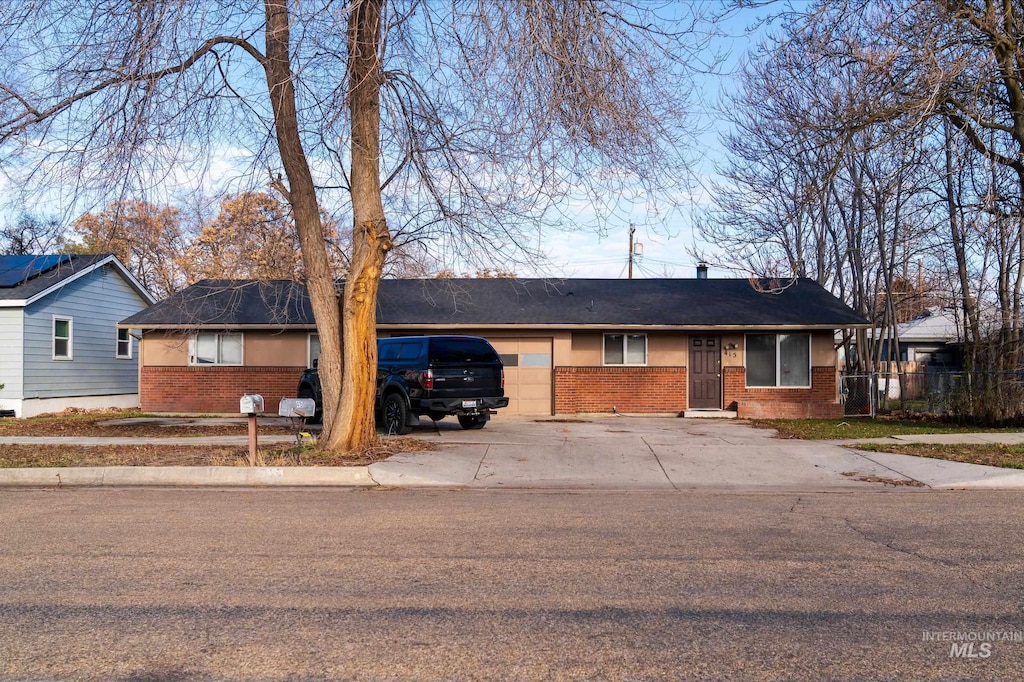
{"x":702,"y":270}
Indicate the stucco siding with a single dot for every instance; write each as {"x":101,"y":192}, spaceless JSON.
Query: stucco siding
{"x":94,"y":303}
{"x":260,"y":348}
{"x":11,"y":343}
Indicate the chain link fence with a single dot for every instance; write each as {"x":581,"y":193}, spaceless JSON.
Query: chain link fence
{"x":975,"y":396}
{"x":859,"y":394}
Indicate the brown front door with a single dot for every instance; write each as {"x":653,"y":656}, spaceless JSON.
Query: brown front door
{"x":705,"y":372}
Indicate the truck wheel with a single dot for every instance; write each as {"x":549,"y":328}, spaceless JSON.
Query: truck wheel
{"x":318,"y":416}
{"x":395,"y":415}
{"x":472,"y":421}
{"x":436,"y":416}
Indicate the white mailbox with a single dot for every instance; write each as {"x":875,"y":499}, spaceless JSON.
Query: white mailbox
{"x":250,"y":404}
{"x":297,"y":408}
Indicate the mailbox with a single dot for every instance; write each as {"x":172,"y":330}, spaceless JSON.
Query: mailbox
{"x":250,"y":404}
{"x":297,"y":408}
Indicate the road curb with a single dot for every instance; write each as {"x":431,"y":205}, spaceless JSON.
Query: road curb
{"x":212,"y":476}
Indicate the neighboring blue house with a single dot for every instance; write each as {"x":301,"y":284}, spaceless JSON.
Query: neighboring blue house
{"x":59,"y":344}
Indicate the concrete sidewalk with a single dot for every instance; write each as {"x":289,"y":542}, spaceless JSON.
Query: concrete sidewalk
{"x":609,"y":453}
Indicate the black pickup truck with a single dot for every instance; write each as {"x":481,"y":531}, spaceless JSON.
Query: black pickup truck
{"x":434,"y":376}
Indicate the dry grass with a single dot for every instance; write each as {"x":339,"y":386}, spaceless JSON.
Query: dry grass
{"x":80,"y":423}
{"x":87,"y":423}
{"x":70,"y":455}
{"x":880,"y":427}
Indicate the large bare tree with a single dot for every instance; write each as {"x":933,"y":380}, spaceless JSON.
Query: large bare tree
{"x":452,"y":126}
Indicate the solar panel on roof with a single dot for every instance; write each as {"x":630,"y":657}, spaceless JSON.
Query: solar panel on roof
{"x":16,"y":269}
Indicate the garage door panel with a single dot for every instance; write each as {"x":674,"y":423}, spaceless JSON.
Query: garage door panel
{"x":505,"y":345}
{"x":533,"y":392}
{"x":534,"y":407}
{"x":528,"y":374}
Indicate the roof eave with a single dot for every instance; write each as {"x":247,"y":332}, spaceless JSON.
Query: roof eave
{"x":128,"y":277}
{"x":654,"y":327}
{"x":504,"y":327}
{"x":201,"y":327}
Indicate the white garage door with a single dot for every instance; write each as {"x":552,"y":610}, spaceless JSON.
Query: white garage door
{"x":528,"y":374}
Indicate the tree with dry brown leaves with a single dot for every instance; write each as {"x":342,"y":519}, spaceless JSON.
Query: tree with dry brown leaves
{"x":149,"y":240}
{"x":251,"y":238}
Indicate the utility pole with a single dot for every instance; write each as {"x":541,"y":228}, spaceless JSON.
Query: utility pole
{"x":636,"y":249}
{"x":632,"y":230}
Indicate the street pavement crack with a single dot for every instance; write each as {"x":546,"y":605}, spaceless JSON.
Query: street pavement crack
{"x":658,"y":460}
{"x":961,"y":568}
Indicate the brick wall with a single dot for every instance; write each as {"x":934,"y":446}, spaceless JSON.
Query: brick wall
{"x":628,"y":389}
{"x":214,"y":389}
{"x":818,"y":401}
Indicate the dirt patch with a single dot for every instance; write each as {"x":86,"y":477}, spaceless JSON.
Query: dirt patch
{"x":908,"y":482}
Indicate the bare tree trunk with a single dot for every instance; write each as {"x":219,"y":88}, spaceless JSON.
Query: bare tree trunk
{"x":973,"y":325}
{"x":301,"y":194}
{"x":371,"y":239}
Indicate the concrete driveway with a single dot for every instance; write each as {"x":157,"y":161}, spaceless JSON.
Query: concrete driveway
{"x":647,"y":453}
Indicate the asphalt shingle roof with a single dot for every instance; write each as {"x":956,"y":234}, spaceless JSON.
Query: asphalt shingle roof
{"x":41,"y":281}
{"x":526,"y":302}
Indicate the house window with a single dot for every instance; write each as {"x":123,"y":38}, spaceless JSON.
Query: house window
{"x":216,"y":349}
{"x":313,"y":349}
{"x":62,"y":338}
{"x":625,"y":349}
{"x":778,"y":360}
{"x":124,"y":344}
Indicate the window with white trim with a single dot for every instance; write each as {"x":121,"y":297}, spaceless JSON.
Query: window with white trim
{"x":625,"y":349}
{"x":124,"y":344}
{"x":62,"y":338}
{"x":778,"y":360}
{"x":220,"y":348}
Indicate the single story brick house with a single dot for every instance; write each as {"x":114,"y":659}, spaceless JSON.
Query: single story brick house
{"x":569,"y":345}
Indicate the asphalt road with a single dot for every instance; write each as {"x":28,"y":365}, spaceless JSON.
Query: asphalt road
{"x":163,"y":584}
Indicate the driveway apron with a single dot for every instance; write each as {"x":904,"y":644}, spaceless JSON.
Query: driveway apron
{"x":642,"y":453}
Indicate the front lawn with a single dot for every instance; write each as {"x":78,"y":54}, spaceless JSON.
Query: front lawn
{"x":135,"y":424}
{"x":860,"y":427}
{"x":72,"y":455}
{"x":994,"y":455}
